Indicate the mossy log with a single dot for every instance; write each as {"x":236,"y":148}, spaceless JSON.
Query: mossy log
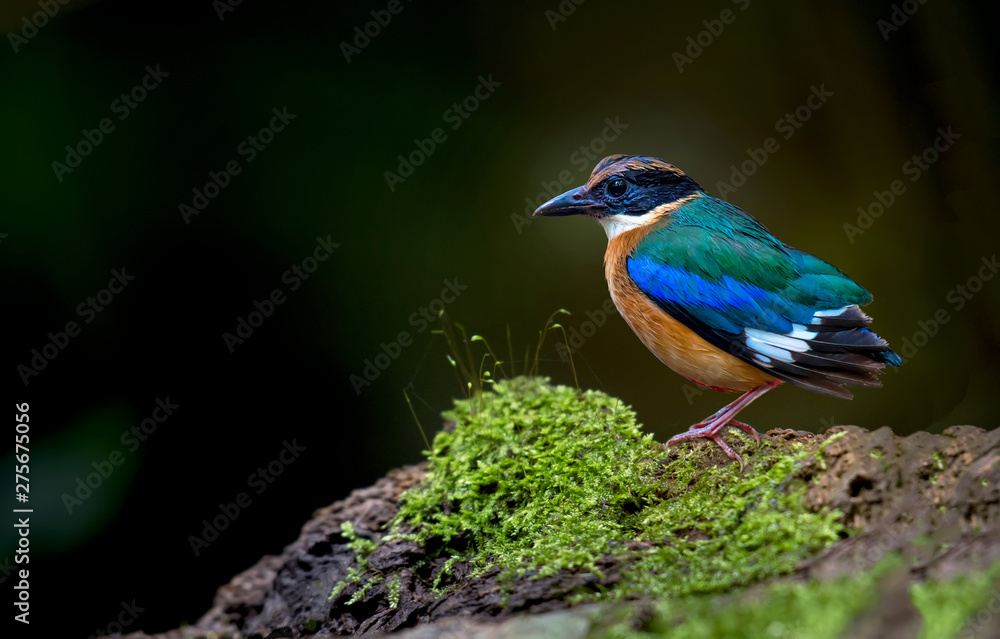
{"x":544,"y":511}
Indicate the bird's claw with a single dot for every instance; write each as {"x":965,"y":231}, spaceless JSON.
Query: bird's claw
{"x":748,"y":429}
{"x":699,"y":431}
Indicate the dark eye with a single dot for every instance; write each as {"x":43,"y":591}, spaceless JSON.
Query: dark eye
{"x":617,"y":187}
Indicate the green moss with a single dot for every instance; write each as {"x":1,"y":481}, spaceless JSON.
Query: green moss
{"x":537,"y":479}
{"x":784,"y":610}
{"x":362,"y":547}
{"x":394,"y":586}
{"x":724,"y":531}
{"x":938,"y":461}
{"x":366,"y":586}
{"x":445,"y":571}
{"x":964,"y":606}
{"x":814,"y":609}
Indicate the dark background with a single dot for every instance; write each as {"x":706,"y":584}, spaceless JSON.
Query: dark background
{"x":458,"y":217}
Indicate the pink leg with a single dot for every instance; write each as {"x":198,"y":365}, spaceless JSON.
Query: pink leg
{"x":710,"y":427}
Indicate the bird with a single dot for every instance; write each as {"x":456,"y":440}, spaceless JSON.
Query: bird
{"x":718,"y":298}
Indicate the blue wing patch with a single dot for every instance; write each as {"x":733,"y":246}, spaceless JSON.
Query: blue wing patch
{"x":725,"y":305}
{"x":821,"y":350}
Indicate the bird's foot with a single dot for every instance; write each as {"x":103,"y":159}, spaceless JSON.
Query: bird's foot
{"x":748,"y":429}
{"x":709,"y":430}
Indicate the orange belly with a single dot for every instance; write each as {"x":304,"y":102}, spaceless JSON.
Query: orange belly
{"x":674,"y":344}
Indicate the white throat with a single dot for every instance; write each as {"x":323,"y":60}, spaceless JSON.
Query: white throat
{"x":615,"y":225}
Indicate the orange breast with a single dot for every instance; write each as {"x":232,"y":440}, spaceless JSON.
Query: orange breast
{"x":674,"y":344}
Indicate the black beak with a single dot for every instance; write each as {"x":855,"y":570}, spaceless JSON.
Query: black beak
{"x":574,"y":202}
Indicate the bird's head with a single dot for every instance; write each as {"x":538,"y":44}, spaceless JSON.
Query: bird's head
{"x":625,"y":192}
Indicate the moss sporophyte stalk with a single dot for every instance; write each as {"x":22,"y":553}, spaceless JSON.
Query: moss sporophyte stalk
{"x":535,"y":479}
